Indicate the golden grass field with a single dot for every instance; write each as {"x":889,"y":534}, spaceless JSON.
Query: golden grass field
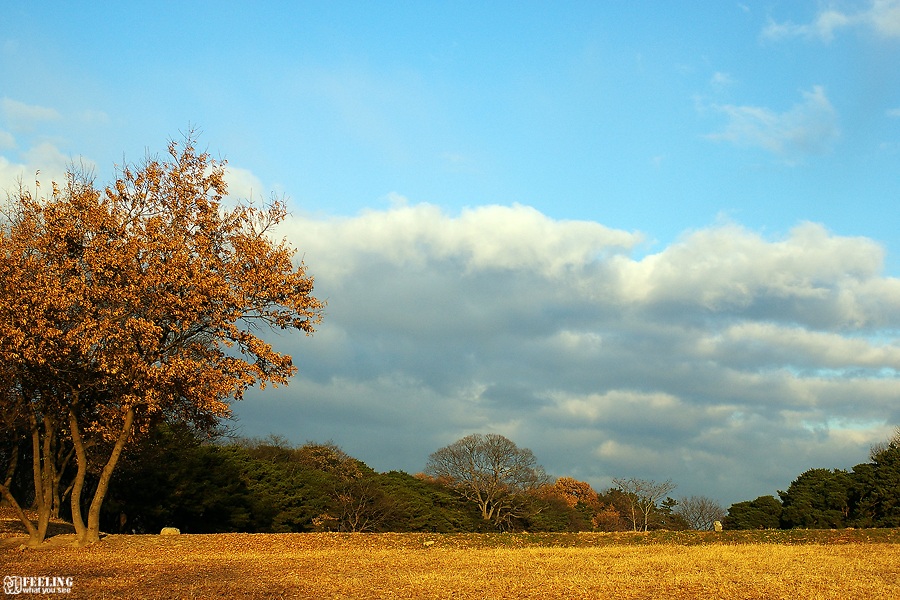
{"x":795,"y":566}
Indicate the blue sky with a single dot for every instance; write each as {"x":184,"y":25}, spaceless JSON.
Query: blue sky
{"x":642,"y":239}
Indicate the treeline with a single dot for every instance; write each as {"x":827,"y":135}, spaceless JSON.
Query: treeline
{"x":171,"y":478}
{"x":866,"y":496}
{"x":270,"y":486}
{"x":177,"y":476}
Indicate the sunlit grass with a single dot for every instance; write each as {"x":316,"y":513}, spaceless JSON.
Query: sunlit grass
{"x":473,"y":566}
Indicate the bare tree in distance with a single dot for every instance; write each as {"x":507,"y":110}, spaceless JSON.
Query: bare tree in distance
{"x":643,"y":494}
{"x":362,"y":505}
{"x":880,"y":447}
{"x":700,"y":512}
{"x":489,"y":470}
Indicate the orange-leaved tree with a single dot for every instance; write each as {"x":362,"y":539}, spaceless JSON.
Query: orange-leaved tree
{"x":573,"y":491}
{"x":136,"y":303}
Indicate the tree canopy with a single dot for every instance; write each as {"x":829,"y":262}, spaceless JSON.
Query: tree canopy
{"x":762,"y":513}
{"x":817,"y":499}
{"x":139,"y":302}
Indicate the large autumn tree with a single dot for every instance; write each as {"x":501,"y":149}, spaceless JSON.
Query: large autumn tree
{"x":142,"y":301}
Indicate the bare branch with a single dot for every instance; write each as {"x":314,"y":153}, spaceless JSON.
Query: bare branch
{"x":644,"y":494}
{"x":700,"y":512}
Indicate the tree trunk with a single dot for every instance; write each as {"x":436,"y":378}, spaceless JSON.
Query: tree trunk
{"x":634,"y":518}
{"x":93,"y":524}
{"x":487,"y":511}
{"x":52,"y":473}
{"x":32,"y":532}
{"x":42,"y":480}
{"x":59,"y":469}
{"x":10,"y":471}
{"x":78,"y":484}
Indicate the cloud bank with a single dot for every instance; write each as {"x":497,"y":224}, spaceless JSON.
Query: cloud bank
{"x":726,"y":361}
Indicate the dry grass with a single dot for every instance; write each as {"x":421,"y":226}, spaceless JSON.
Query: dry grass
{"x":460,"y":566}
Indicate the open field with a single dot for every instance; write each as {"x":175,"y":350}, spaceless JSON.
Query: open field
{"x":794,"y":565}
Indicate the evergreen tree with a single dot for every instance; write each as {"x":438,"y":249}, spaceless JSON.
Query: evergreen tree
{"x":818,"y":499}
{"x":878,"y":488}
{"x":762,"y":513}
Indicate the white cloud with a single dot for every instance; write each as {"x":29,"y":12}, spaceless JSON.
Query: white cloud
{"x":614,"y":404}
{"x":22,"y":117}
{"x":881,"y":16}
{"x":810,"y":127}
{"x":791,"y":345}
{"x":730,"y":268}
{"x":894,"y":112}
{"x":243,"y":184}
{"x":10,"y":175}
{"x":884,"y":17}
{"x":582,"y":343}
{"x":613,"y":450}
{"x":40,"y":160}
{"x":43,"y":162}
{"x":720,"y":81}
{"x":486,"y":237}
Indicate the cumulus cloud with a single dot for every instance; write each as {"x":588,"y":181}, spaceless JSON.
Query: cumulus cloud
{"x":809,"y":275}
{"x":880,"y":16}
{"x":243,"y":184}
{"x":810,"y":127}
{"x":785,"y":345}
{"x":482,"y":238}
{"x":32,"y":157}
{"x":42,"y":162}
{"x":10,"y":174}
{"x":723,"y":353}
